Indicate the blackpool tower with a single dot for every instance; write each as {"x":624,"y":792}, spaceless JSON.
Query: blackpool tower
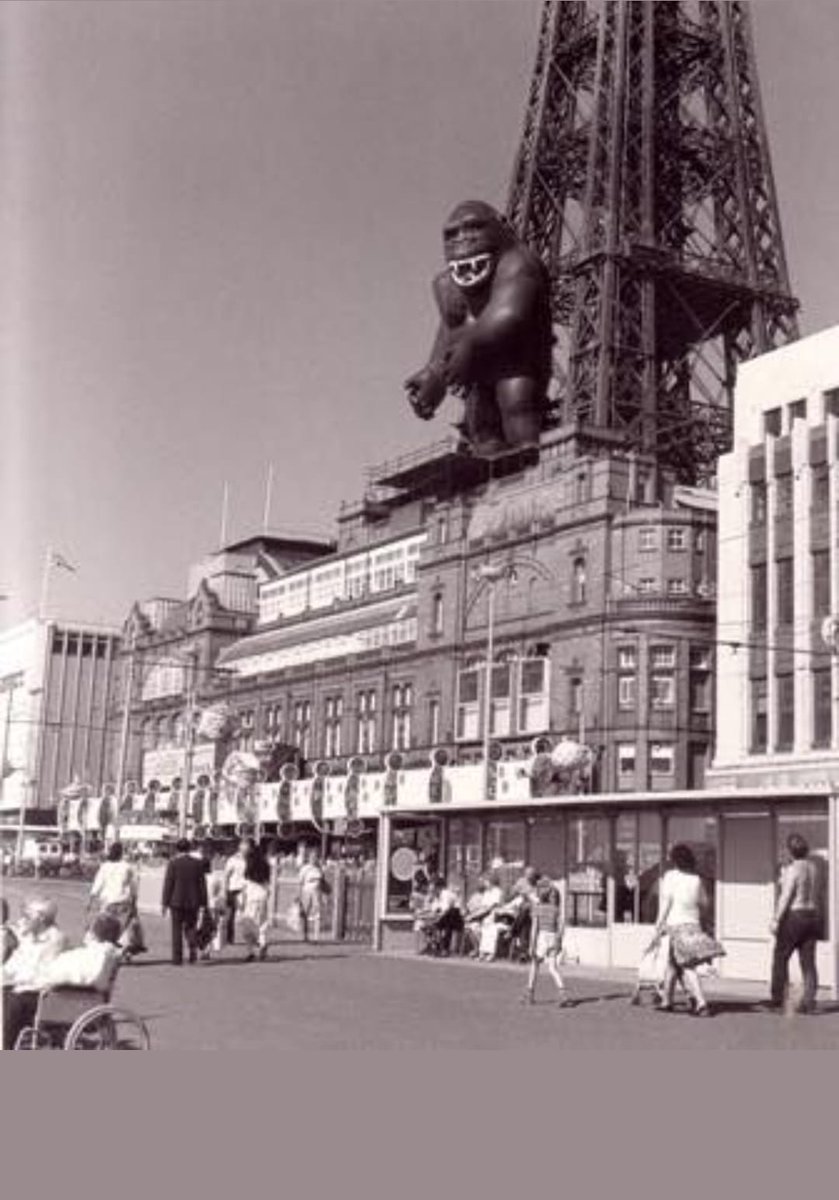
{"x":643,"y":179}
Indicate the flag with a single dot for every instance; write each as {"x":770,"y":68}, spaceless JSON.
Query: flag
{"x":58,"y":560}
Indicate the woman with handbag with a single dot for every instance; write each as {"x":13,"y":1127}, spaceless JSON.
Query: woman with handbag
{"x":114,"y":891}
{"x":682,"y":904}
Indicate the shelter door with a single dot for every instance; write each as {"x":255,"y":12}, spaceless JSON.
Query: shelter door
{"x":747,"y":884}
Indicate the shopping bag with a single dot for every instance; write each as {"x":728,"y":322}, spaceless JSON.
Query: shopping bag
{"x":132,"y":939}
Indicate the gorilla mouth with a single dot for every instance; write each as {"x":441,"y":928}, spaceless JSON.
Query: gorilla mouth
{"x":470,"y":272}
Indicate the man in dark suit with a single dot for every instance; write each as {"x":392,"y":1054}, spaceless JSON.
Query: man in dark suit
{"x":184,"y":896}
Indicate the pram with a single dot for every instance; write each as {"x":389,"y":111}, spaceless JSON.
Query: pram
{"x":650,"y":979}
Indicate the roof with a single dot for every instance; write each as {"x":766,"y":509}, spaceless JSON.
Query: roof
{"x":330,"y":624}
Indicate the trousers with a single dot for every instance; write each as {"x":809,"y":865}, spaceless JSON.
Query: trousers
{"x":184,"y":922}
{"x":798,"y":930}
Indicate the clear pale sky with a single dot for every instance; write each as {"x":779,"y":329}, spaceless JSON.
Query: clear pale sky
{"x":220,"y":219}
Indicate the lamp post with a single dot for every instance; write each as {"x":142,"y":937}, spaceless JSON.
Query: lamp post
{"x":189,"y":742}
{"x":490,"y":574}
{"x":125,"y":732}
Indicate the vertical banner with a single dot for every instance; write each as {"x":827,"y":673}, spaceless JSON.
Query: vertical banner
{"x":318,"y":788}
{"x":393,"y":765}
{"x":439,"y":761}
{"x":288,"y":774}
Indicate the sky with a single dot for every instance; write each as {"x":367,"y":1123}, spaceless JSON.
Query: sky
{"x":220,"y":219}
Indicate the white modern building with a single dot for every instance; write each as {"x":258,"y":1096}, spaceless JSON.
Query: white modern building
{"x":56,"y":685}
{"x":777,"y":662}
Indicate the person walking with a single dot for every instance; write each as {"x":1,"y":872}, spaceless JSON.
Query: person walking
{"x":682,"y":904}
{"x":254,"y":899}
{"x":796,"y":926}
{"x":313,"y":885}
{"x":234,"y":882}
{"x":184,"y":898}
{"x":114,"y":892}
{"x":545,"y":939}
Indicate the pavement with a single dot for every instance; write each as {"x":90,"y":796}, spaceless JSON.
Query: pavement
{"x":335,"y":996}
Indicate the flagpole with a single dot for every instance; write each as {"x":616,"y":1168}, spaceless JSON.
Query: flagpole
{"x":269,"y":485}
{"x":225,"y":498}
{"x":45,"y":583}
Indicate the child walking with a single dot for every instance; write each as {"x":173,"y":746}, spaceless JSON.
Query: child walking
{"x":545,"y":939}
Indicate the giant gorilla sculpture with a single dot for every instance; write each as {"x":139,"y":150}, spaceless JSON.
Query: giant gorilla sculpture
{"x":493,"y":346}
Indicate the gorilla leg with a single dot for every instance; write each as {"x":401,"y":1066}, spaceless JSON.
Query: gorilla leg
{"x":521,"y":407}
{"x":482,"y":423}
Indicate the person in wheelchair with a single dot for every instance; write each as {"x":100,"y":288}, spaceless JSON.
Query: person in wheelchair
{"x":90,"y":967}
{"x":439,"y":920}
{"x":40,"y":941}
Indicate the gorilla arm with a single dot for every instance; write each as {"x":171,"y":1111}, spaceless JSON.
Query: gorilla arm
{"x":426,"y":388}
{"x":498,"y":340}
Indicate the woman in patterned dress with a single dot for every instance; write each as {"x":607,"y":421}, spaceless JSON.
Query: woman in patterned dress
{"x":682,"y":904}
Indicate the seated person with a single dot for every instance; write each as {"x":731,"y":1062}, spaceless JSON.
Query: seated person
{"x":492,"y":919}
{"x":91,"y":965}
{"x":449,"y":917}
{"x":40,"y":941}
{"x":10,"y":940}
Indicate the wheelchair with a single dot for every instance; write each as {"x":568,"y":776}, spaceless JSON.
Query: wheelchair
{"x":75,"y":1018}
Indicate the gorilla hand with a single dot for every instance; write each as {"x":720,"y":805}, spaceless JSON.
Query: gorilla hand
{"x":426,"y":392}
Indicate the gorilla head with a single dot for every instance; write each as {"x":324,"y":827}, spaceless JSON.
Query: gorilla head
{"x":473,"y":238}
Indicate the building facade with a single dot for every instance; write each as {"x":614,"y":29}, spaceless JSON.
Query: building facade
{"x":778,"y":669}
{"x":56,"y":691}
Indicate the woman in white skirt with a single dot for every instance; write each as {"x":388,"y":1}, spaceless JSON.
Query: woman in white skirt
{"x":682,"y":904}
{"x":254,"y":904}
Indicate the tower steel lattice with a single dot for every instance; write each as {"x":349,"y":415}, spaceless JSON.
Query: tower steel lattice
{"x":644,"y":181}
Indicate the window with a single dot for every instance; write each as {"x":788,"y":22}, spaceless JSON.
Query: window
{"x":647,"y":538}
{"x":759,"y":711}
{"x":333,"y":716}
{"x":662,"y":677}
{"x":582,"y":487}
{"x":783,"y":496}
{"x":627,"y":759}
{"x":758,"y":498}
{"x":366,"y":729}
{"x":759,"y":596}
{"x":575,"y":695}
{"x":437,"y":613}
{"x":467,"y":705}
{"x":246,"y":730}
{"x":663,"y":657}
{"x":797,"y":411}
{"x":820,"y":560}
{"x":662,"y":758}
{"x":356,"y":577}
{"x":403,"y":694}
{"x":820,"y":489}
{"x":589,"y":859}
{"x":772,"y":423}
{"x":638,"y":859}
{"x":677,"y":539}
{"x":785,"y":697}
{"x":302,"y":726}
{"x":699,"y":541}
{"x":646,"y":586}
{"x":272,"y":720}
{"x":677,"y":587}
{"x":442,"y":530}
{"x":534,"y":716}
{"x":627,"y":658}
{"x":822,"y":707}
{"x":831,"y":402}
{"x":327,"y":585}
{"x":627,"y":677}
{"x":578,"y":584}
{"x":434,"y":722}
{"x":500,"y":710}
{"x":786,"y":596}
{"x":700,"y":679}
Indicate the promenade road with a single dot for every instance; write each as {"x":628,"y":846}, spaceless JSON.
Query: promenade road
{"x":340,"y":997}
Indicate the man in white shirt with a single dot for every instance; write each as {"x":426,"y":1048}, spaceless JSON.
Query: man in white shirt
{"x":234,"y":882}
{"x":40,"y":941}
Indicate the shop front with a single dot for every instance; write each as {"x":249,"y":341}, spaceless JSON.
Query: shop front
{"x":607,"y":854}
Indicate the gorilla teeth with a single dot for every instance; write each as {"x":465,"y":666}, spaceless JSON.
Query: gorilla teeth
{"x":468,"y":271}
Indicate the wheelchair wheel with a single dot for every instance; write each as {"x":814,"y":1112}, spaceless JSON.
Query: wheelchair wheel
{"x":34,"y":1039}
{"x":108,"y":1028}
